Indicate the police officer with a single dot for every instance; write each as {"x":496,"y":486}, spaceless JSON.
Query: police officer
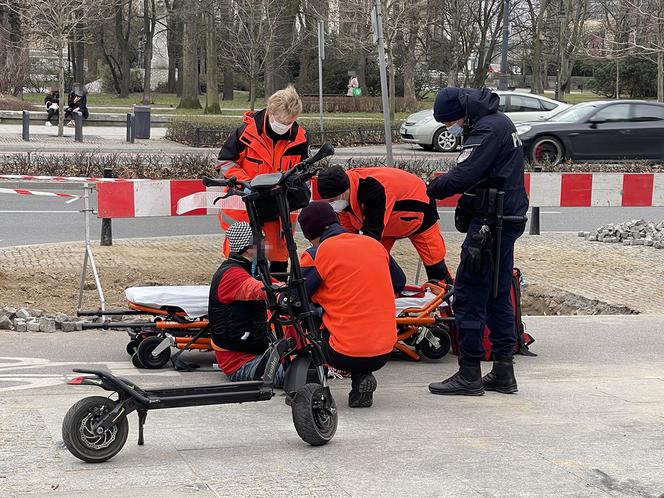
{"x":489,"y":166}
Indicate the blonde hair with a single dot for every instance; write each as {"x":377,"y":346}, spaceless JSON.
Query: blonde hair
{"x":285,"y":101}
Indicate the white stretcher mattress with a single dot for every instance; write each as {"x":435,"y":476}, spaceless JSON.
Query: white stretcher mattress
{"x":192,"y":299}
{"x":414,"y":302}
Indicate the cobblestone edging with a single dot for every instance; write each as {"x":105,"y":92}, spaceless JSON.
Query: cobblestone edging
{"x":34,"y":320}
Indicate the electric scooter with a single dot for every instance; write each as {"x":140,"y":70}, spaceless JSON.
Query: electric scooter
{"x":95,"y":428}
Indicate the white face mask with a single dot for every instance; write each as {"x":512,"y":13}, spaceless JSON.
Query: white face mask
{"x":339,"y":205}
{"x":280,"y":128}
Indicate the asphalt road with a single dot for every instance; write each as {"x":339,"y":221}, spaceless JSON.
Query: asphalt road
{"x":37,"y":220}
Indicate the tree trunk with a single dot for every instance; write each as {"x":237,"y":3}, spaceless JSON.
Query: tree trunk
{"x":660,"y":76}
{"x":61,"y":88}
{"x":149,"y":23}
{"x":211,"y":71}
{"x":189,"y":75}
{"x":225,"y":27}
{"x":391,"y":82}
{"x":174,"y":45}
{"x":123,"y":43}
{"x":252,"y":92}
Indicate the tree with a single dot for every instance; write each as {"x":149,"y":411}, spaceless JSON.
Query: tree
{"x":255,"y":35}
{"x":211,"y":70}
{"x":50,"y":24}
{"x":149,"y":26}
{"x":189,"y":75}
{"x":174,"y":43}
{"x":14,"y":58}
{"x":116,"y":41}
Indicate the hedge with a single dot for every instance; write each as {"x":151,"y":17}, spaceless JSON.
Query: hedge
{"x":341,"y":103}
{"x":209,"y":131}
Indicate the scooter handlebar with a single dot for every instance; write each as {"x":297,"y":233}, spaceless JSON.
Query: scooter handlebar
{"x":217,"y":182}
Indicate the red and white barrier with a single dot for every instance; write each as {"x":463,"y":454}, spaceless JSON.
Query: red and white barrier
{"x":160,"y":197}
{"x":76,"y":179}
{"x":590,"y":190}
{"x":22,"y":191}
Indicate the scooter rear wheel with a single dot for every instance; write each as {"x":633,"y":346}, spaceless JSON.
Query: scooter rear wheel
{"x":79,"y":437}
{"x":315,"y":414}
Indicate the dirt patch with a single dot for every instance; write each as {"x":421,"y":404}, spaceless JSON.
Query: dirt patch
{"x":540,"y":299}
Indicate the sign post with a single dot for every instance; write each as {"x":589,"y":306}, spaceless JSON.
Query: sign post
{"x":321,"y":58}
{"x":377,"y":25}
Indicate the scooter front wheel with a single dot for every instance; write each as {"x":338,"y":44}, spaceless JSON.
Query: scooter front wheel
{"x":86,"y":444}
{"x":315,"y":414}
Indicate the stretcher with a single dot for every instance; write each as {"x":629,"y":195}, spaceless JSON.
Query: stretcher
{"x":175,"y":317}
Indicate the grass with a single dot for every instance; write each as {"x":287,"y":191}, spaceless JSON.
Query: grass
{"x":577,"y":98}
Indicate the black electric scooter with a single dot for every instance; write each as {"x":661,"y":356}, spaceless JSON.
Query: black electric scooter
{"x":95,"y":429}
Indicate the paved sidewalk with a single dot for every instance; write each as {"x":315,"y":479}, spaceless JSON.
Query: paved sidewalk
{"x":628,"y":278}
{"x":587,"y":421}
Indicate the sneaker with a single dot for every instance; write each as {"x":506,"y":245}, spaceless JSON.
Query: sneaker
{"x":71,"y":124}
{"x":361,"y":396}
{"x":48,"y":123}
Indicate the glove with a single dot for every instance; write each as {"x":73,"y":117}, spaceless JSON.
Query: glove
{"x":434,"y":187}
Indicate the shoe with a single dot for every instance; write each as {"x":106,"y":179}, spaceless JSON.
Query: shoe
{"x":71,"y":124}
{"x":466,"y":382}
{"x":501,"y":378}
{"x":48,"y":123}
{"x":361,"y":396}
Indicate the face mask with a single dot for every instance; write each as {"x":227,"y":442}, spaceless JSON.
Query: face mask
{"x":279,"y":128}
{"x":456,"y":130}
{"x":339,"y":205}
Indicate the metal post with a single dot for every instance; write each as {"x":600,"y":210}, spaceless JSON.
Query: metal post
{"x":78,"y":127}
{"x":559,"y":54}
{"x":89,"y":257}
{"x":132,"y":128}
{"x":534,"y":221}
{"x":418,"y":271}
{"x":128,"y":127}
{"x":535,"y":214}
{"x":377,"y":24}
{"x":106,"y":227}
{"x":26,"y":126}
{"x":321,"y":58}
{"x":502,"y":82}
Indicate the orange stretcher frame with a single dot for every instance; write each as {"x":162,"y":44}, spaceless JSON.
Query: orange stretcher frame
{"x":411,"y":319}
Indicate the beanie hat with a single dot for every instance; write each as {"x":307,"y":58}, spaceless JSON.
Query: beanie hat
{"x":315,"y":218}
{"x":447,"y":106}
{"x":332,"y":182}
{"x":239,"y":236}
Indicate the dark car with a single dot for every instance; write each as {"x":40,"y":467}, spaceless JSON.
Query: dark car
{"x":617,"y":129}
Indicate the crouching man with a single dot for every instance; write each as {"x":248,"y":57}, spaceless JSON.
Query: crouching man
{"x":351,"y":278}
{"x":238,"y":312}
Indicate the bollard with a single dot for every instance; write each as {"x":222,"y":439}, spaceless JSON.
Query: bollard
{"x":106,"y":227}
{"x":535,"y":221}
{"x":78,"y":127}
{"x":129,"y":127}
{"x":26,"y":126}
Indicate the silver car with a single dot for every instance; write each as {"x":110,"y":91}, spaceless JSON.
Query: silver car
{"x":421,"y":129}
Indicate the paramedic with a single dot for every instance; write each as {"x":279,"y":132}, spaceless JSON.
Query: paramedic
{"x":388,"y":204}
{"x":351,"y":278}
{"x":238,"y":312}
{"x":491,"y":159}
{"x":268,"y":141}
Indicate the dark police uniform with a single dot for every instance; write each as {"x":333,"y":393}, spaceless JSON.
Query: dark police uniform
{"x":492,"y":157}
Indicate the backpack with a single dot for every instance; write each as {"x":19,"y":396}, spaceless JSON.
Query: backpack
{"x":523,"y":338}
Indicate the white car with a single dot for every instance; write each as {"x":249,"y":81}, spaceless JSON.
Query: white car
{"x":420,"y":128}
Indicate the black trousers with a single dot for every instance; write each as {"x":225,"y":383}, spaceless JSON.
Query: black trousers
{"x":358,"y":366}
{"x":474,"y":306}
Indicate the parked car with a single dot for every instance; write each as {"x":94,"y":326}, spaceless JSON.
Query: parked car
{"x":420,"y":128}
{"x":616,"y":129}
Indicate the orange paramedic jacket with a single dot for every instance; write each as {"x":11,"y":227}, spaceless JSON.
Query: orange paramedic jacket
{"x":352,"y":279}
{"x":251,"y":150}
{"x":387,"y":202}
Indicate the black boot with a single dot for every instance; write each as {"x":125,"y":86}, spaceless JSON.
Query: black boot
{"x":361,"y":395}
{"x":467,"y":381}
{"x":501,"y":378}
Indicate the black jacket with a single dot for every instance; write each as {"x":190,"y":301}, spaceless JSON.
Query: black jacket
{"x":492,"y":156}
{"x":81,"y":104}
{"x":52,"y":99}
{"x":241,"y":325}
